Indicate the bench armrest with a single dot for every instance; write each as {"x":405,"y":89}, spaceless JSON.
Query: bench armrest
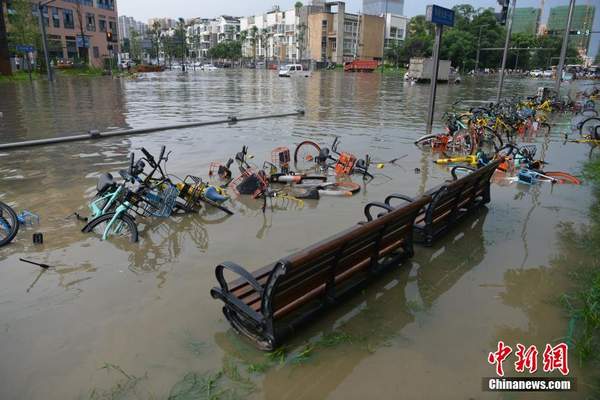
{"x":233,"y":302}
{"x":398,"y":196}
{"x":235,"y":268}
{"x":453,"y":171}
{"x":378,"y":204}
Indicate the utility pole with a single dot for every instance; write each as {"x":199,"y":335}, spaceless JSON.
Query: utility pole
{"x":45,"y":38}
{"x":505,"y":56}
{"x":563,"y":50}
{"x":384,"y":35}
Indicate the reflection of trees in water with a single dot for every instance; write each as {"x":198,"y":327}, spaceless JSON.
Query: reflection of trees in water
{"x":369,"y":320}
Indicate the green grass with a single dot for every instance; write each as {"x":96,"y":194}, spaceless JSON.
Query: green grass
{"x":19,"y":77}
{"x":583,"y":303}
{"x":80,"y":71}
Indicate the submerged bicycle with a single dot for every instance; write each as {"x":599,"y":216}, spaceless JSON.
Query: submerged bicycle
{"x":9,"y":224}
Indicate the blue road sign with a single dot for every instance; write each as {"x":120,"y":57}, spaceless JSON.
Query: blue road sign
{"x":24,"y":48}
{"x":440,"y":15}
{"x":85,"y":42}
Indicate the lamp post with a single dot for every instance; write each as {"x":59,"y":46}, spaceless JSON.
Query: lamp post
{"x":505,"y":55}
{"x":478,"y":48}
{"x":44,"y":38}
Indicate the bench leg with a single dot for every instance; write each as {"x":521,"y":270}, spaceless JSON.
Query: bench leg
{"x":262,"y":340}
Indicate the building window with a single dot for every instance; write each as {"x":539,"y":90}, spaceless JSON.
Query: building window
{"x":90,"y":22}
{"x":106,"y":4}
{"x":55,"y":18}
{"x":71,"y":47}
{"x":96,"y":52}
{"x":112,"y":27}
{"x":102,"y":25}
{"x":333,"y":45}
{"x":68,"y":21}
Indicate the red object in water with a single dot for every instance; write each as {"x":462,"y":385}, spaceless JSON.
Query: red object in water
{"x":361,"y":66}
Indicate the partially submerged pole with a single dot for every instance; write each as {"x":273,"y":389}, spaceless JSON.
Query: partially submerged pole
{"x":505,"y":55}
{"x":124,"y":132}
{"x":565,"y":45}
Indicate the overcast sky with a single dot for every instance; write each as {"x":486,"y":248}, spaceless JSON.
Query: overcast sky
{"x":144,"y":9}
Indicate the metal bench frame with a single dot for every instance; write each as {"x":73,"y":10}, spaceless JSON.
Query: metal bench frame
{"x":381,"y":243}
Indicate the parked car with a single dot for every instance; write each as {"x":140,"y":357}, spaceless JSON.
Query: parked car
{"x":208,"y":67}
{"x":547,"y":73}
{"x":536,"y":73}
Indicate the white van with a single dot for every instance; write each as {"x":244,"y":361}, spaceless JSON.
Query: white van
{"x":293,"y":70}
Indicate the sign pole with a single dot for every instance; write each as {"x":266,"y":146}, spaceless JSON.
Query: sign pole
{"x":563,"y":50}
{"x":439,"y":16}
{"x":505,"y":55}
{"x":434,"y":76}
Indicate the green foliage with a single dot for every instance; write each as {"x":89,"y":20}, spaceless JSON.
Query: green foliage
{"x":230,"y":50}
{"x":22,"y":26}
{"x":473,"y":26}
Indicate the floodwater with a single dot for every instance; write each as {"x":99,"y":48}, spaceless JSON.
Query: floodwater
{"x":119,"y":320}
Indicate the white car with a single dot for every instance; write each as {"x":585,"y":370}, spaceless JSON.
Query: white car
{"x":547,"y":73}
{"x":536,"y":73}
{"x":208,"y":67}
{"x":293,"y":70}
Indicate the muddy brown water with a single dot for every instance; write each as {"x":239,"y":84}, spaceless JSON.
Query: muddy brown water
{"x":115,"y":320}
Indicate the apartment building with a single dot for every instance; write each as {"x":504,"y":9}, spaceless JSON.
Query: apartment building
{"x":272,"y":35}
{"x":336,"y":36}
{"x":127,"y":24}
{"x":65,"y":20}
{"x":204,"y":33}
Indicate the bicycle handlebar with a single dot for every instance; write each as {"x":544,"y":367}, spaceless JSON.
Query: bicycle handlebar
{"x":149,"y":157}
{"x":162,"y":153}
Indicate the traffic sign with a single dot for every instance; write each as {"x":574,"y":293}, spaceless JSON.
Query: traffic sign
{"x":440,"y":15}
{"x":24,"y":48}
{"x":82,"y":42}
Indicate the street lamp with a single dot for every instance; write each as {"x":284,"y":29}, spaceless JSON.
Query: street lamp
{"x":478,"y":46}
{"x":44,"y":38}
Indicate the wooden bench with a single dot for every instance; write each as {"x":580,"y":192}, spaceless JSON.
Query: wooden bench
{"x":450,"y":202}
{"x":270,"y":303}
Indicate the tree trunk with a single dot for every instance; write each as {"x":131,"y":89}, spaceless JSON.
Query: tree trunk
{"x":5,"y":68}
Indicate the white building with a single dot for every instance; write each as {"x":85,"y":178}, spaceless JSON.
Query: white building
{"x":272,"y":35}
{"x":205,"y":33}
{"x":395,"y":28}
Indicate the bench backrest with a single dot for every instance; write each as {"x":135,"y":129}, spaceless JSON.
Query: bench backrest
{"x":449,"y":197}
{"x":318,"y":269}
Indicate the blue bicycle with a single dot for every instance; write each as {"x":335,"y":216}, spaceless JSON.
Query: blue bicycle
{"x":9,"y":224}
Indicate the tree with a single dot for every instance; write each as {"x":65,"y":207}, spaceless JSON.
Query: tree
{"x":180,"y":38}
{"x":23,"y":29}
{"x":5,"y":68}
{"x":243,"y":38}
{"x":135,"y":46}
{"x":155,"y":31}
{"x":230,"y":50}
{"x":253,"y":37}
{"x":264,"y":37}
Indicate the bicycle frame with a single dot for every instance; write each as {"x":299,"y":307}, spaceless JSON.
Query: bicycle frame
{"x":112,"y":197}
{"x":118,"y":212}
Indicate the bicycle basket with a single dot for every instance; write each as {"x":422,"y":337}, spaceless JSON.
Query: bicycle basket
{"x":159,"y":202}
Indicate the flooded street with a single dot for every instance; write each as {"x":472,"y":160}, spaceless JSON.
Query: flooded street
{"x":121,"y":320}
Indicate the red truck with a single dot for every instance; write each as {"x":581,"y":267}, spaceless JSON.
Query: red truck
{"x":361,"y":66}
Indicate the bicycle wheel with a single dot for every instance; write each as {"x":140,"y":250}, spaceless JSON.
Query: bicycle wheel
{"x":123,"y":227}
{"x":563,"y":177}
{"x":427,"y":141}
{"x":305,"y":154}
{"x":9,"y":224}
{"x":590,"y":127}
{"x":489,"y":142}
{"x":460,"y":145}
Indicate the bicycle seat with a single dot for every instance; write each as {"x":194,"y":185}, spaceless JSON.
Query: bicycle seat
{"x":105,"y":181}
